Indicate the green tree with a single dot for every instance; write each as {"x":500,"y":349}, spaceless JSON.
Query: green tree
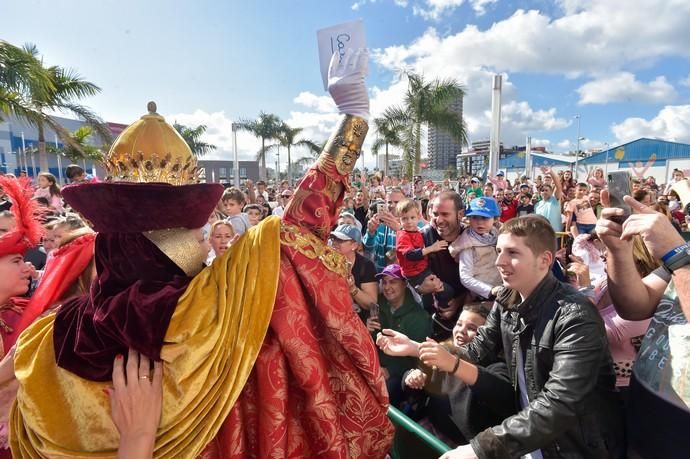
{"x":86,"y":150}
{"x":287,"y":138}
{"x":36,"y":90}
{"x":426,"y":103}
{"x":193,"y":138}
{"x":388,"y":134}
{"x":266,"y":127}
{"x":314,"y":151}
{"x":20,"y":73}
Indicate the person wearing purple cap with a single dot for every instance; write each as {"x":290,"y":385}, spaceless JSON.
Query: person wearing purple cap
{"x":397,"y":310}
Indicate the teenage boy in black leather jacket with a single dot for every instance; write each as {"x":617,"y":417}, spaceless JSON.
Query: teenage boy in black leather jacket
{"x":558,"y":358}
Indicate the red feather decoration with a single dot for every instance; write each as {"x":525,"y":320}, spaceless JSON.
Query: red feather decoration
{"x":28,"y":230}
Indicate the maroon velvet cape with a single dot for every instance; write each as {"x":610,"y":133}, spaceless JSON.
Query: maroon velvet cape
{"x":129,"y":306}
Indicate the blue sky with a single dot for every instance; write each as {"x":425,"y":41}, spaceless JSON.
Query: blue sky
{"x":625,"y":70}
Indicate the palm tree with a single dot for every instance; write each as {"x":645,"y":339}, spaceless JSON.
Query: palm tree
{"x":193,"y":138}
{"x":387,"y":133}
{"x":85,"y":151}
{"x":44,"y":90}
{"x":20,"y":73}
{"x":426,"y":102}
{"x":287,"y":138}
{"x":267,"y":127}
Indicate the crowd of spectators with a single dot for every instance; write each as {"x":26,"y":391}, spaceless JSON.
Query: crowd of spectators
{"x":509,"y":316}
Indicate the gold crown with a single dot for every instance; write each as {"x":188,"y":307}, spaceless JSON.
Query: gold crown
{"x":150,"y":150}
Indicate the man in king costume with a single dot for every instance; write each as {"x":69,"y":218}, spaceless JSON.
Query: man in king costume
{"x":263,"y":355}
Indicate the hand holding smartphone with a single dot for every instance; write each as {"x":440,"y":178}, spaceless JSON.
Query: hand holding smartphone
{"x":619,"y":185}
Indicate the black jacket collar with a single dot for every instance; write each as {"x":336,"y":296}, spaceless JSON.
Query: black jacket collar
{"x":510,"y":299}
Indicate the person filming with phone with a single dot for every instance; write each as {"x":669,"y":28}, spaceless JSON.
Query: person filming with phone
{"x":398,"y":310}
{"x":379,"y":240}
{"x":658,"y":397}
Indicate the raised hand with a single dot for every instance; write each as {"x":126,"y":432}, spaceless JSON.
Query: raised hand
{"x":346,"y":82}
{"x":436,"y":355}
{"x":656,"y":229}
{"x":415,"y":379}
{"x":607,"y":229}
{"x":135,"y":402}
{"x":396,"y":344}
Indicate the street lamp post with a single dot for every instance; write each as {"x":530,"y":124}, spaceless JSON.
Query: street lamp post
{"x":278,"y":166}
{"x":234,"y":151}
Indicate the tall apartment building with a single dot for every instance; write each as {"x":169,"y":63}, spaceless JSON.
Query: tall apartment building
{"x":443,"y":149}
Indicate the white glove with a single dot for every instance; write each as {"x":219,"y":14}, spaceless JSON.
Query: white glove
{"x":346,"y":82}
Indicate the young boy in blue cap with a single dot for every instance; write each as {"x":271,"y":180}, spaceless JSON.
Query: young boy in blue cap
{"x":475,"y":249}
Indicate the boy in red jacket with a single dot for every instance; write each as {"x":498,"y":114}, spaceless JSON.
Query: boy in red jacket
{"x":411,"y":252}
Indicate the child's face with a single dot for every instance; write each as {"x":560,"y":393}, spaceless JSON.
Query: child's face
{"x":43,"y":182}
{"x":49,"y":241}
{"x":254,"y":216}
{"x":220,"y":238}
{"x":481,"y":225}
{"x":466,"y":328}
{"x":580,"y":192}
{"x":232,"y":207}
{"x":525,"y":200}
{"x":79,"y":178}
{"x":409,"y":220}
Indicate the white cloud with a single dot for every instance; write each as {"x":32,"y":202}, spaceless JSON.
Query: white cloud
{"x":671,"y":123}
{"x":564,"y":144}
{"x":518,"y":117}
{"x":219,"y":133}
{"x":435,"y":9}
{"x":541,"y":143}
{"x":598,"y":37}
{"x":357,"y":5}
{"x":322,"y":104}
{"x":624,"y":87}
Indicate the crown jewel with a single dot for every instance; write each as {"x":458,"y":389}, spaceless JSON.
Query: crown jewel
{"x":150,"y":150}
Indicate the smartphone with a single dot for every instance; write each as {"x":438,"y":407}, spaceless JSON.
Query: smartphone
{"x":620,"y":184}
{"x":568,"y":248}
{"x":374,"y":310}
{"x":380,"y":207}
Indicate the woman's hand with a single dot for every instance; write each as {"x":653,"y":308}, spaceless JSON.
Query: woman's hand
{"x":136,"y":401}
{"x":436,"y":355}
{"x":396,"y":344}
{"x":415,"y":379}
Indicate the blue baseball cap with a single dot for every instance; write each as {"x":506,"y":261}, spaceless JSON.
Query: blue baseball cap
{"x":483,"y":207}
{"x":347,"y":233}
{"x":500,"y":174}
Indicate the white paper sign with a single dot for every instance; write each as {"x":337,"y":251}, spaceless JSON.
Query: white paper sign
{"x":336,"y":39}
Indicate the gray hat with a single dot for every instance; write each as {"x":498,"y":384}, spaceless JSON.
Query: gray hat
{"x":347,"y":233}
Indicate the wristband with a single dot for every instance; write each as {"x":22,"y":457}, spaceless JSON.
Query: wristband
{"x":353,"y":291}
{"x":457,"y":364}
{"x":675,"y":251}
{"x":678,"y":260}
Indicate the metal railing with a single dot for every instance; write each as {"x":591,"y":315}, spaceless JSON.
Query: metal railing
{"x":412,"y":440}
